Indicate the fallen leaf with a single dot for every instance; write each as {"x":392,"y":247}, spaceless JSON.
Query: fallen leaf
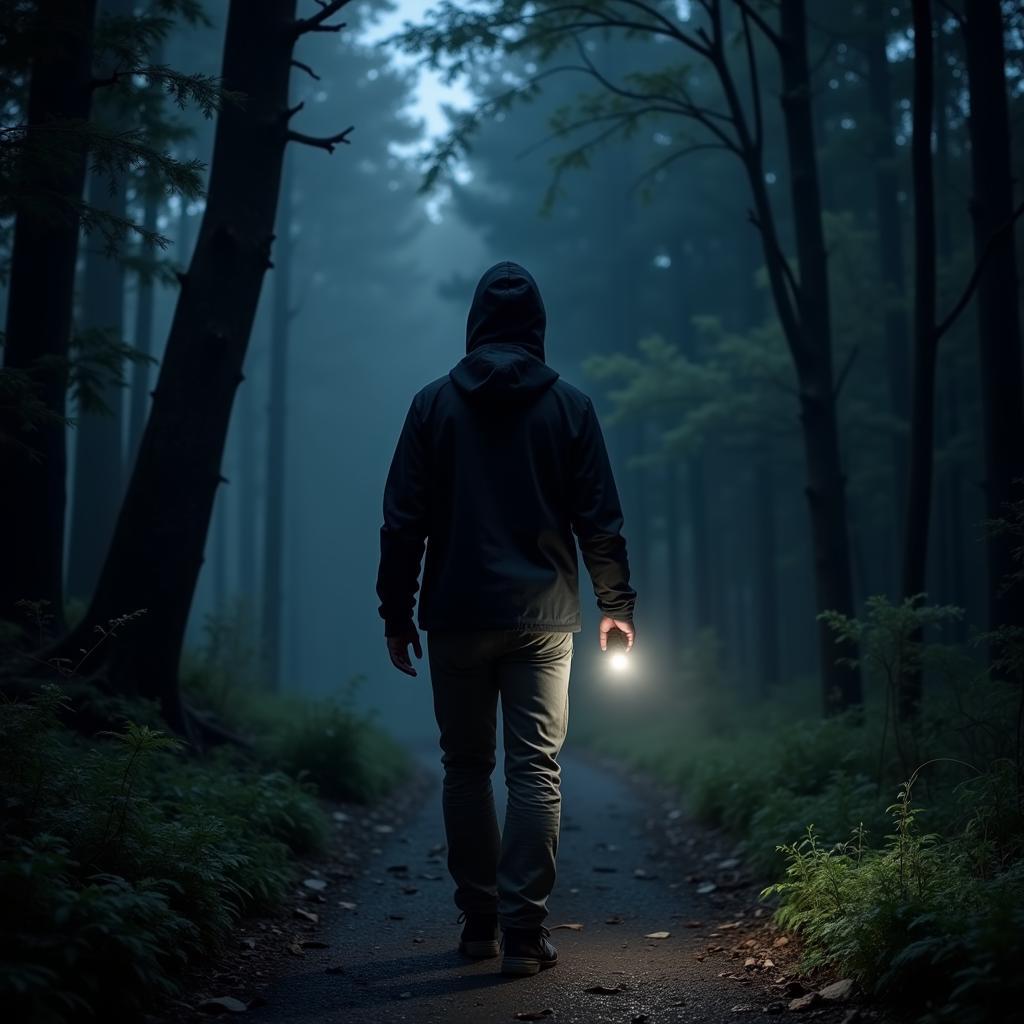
{"x":223,"y":1004}
{"x":768,"y":963}
{"x":750,"y":962}
{"x":573,"y":927}
{"x":743,"y":1008}
{"x":435,"y":850}
{"x":295,"y":948}
{"x":383,"y":830}
{"x":316,"y":884}
{"x":694,"y":924}
{"x":405,"y":995}
{"x":534,"y":1014}
{"x":731,"y":924}
{"x":728,"y":864}
{"x":347,"y":905}
{"x":643,"y":875}
{"x":657,"y":935}
{"x":782,"y":940}
{"x":428,"y":877}
{"x":605,"y":990}
{"x":306,"y":915}
{"x":705,"y":887}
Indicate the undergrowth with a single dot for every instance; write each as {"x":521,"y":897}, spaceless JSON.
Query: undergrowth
{"x":921,"y":898}
{"x":124,"y":855}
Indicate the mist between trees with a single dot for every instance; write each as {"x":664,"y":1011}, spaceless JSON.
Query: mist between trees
{"x":778,"y":245}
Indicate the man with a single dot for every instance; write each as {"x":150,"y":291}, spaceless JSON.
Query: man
{"x":498,"y":464}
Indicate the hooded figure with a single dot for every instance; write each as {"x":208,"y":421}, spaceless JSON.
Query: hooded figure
{"x":500,"y":468}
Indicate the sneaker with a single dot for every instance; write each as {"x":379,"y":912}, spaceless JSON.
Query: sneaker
{"x":527,"y":951}
{"x":479,"y":935}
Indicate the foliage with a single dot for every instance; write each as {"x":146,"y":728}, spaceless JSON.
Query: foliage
{"x":121,"y":858}
{"x":327,"y":743}
{"x":923,"y":913}
{"x":918,"y":901}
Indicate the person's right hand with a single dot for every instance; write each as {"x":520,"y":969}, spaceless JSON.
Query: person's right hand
{"x":608,"y":624}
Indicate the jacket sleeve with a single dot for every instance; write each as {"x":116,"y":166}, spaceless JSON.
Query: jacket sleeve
{"x":597,"y":521}
{"x":402,"y":537}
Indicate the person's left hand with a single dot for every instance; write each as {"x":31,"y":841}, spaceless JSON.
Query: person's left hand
{"x":398,"y":648}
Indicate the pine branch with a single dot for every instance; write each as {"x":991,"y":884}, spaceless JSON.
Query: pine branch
{"x":327,"y":142}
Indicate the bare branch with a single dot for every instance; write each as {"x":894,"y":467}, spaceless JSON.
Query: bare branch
{"x":975,"y":277}
{"x":672,"y":157}
{"x":787,"y":270}
{"x":758,"y":19}
{"x":327,"y":142}
{"x":305,"y":67}
{"x":317,"y":22}
{"x":755,"y":84}
{"x":292,"y":111}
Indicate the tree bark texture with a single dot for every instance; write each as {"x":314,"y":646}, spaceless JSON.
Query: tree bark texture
{"x":143,"y":340}
{"x":39,"y":312}
{"x":157,"y":549}
{"x":273,"y":524}
{"x":999,"y":333}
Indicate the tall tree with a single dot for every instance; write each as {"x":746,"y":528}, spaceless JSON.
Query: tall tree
{"x":998,"y":297}
{"x":39,"y":308}
{"x":277,"y":412}
{"x":157,"y":548}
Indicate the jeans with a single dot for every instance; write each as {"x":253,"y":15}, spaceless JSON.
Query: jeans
{"x":510,"y":872}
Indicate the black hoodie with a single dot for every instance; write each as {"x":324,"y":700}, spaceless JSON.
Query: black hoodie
{"x":498,"y":464}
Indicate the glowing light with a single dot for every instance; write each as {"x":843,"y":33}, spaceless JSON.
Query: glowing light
{"x":618,"y":662}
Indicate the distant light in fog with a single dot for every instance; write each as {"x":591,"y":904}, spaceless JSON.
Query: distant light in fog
{"x":663,"y":261}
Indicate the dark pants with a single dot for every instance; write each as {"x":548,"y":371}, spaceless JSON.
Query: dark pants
{"x":511,"y":872}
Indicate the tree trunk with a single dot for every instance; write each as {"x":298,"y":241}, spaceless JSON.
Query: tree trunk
{"x":157,"y":550}
{"x":812,"y":354}
{"x":889,"y":234}
{"x":39,"y":311}
{"x":247,"y":565}
{"x":922,"y":403}
{"x":98,"y":436}
{"x":273,"y":536}
{"x":144,"y":309}
{"x":766,"y":580}
{"x":999,"y":331}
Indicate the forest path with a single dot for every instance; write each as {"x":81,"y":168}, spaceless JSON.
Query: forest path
{"x":393,"y":957}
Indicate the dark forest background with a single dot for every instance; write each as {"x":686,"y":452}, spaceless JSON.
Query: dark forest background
{"x":778,"y":243}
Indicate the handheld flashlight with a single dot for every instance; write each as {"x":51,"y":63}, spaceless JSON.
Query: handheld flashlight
{"x":618,"y":661}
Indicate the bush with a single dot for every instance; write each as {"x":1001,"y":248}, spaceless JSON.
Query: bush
{"x":120,"y":859}
{"x":920,"y":918}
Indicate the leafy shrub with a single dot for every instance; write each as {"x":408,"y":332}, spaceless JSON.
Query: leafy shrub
{"x":913,"y":919}
{"x":121,"y":858}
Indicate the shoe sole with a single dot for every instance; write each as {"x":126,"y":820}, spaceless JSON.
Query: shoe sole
{"x":525,"y":966}
{"x":482,"y":949}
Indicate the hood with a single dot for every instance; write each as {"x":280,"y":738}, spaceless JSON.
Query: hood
{"x":507,"y":309}
{"x":502,"y":374}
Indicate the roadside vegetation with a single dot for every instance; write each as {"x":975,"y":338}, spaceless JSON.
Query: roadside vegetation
{"x":125,"y":854}
{"x":895,"y":844}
